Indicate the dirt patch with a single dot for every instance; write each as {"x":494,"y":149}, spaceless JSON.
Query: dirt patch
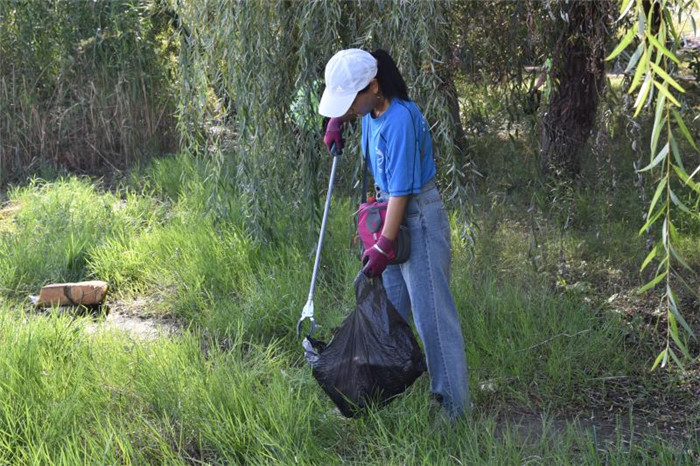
{"x":606,"y":432}
{"x":130,"y":317}
{"x":134,"y":319}
{"x":138,"y":328}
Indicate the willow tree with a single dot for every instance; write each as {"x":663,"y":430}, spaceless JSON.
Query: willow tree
{"x":267,"y":59}
{"x":578,"y":36}
{"x":499,"y":46}
{"x":654,"y":67}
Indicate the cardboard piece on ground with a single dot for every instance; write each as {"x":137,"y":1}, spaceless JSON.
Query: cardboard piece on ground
{"x":88,"y":293}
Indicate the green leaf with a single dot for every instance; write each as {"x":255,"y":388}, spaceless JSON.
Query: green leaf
{"x":661,"y":38}
{"x":675,"y":237}
{"x":686,"y":178}
{"x":655,"y":281}
{"x":657,"y":194}
{"x":683,"y":175}
{"x":680,"y":260}
{"x":695,"y":172}
{"x":650,"y":257}
{"x":674,"y":309}
{"x":641,"y":22}
{"x":634,"y":59}
{"x":660,"y":156}
{"x":651,"y":221}
{"x":664,"y":90}
{"x":662,"y":49}
{"x":659,"y":122}
{"x":676,"y":151}
{"x":626,"y":40}
{"x":674,"y":326}
{"x":679,"y":203}
{"x":643,"y":92}
{"x":662,"y":355}
{"x":673,"y":233}
{"x":675,"y":358}
{"x":683,"y":347}
{"x":662,"y":263}
{"x":667,"y":78}
{"x":669,"y":20}
{"x":684,"y":128}
{"x":642,"y":68}
{"x":671,"y":298}
{"x":625,"y":8}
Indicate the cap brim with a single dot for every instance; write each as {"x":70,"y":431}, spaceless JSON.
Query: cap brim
{"x":333,"y":105}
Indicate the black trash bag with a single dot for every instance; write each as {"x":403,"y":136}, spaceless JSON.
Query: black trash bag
{"x":372,"y":357}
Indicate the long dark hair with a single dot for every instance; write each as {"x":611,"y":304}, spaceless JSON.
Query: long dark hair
{"x":389,"y":77}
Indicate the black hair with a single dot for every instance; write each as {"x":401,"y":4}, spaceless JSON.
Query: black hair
{"x":389,"y":77}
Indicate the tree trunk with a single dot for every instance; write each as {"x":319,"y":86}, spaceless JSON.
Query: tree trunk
{"x":449,"y":90}
{"x":453,"y":105}
{"x":579,"y":74}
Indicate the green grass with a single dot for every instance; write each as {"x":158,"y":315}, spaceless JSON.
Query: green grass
{"x":234,"y":388}
{"x":72,"y":399}
{"x":58,"y":225}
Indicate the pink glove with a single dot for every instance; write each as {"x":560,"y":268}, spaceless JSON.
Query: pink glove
{"x":376,"y":258}
{"x":334,"y":134}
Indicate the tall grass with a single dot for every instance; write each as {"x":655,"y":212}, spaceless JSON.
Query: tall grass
{"x":72,"y":399}
{"x":58,"y":224}
{"x":69,"y":399}
{"x":84,"y":85}
{"x":234,"y":388}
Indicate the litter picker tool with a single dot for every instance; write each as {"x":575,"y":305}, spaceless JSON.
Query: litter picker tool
{"x":308,"y":311}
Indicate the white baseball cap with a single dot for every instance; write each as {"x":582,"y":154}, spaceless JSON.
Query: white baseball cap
{"x":347,"y":72}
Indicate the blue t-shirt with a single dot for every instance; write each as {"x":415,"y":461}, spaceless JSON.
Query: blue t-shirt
{"x":396,"y":139}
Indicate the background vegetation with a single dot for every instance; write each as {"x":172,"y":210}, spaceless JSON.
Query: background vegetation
{"x":84,"y":85}
{"x":217,"y":239}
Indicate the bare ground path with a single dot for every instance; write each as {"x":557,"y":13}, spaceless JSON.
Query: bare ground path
{"x":132,"y":318}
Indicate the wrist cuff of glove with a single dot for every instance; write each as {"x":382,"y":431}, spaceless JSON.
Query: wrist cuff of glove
{"x":385,"y":246}
{"x":334,"y":124}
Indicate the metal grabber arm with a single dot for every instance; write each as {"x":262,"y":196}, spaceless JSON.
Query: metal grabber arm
{"x":308,"y":311}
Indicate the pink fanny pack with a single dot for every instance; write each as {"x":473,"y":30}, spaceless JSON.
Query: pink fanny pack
{"x":370,"y":221}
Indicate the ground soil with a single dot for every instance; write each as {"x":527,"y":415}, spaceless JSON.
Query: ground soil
{"x":133,"y":319}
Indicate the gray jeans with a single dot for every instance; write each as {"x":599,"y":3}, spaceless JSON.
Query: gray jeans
{"x":420,"y":287}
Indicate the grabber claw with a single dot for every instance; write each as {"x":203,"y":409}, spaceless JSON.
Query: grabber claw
{"x":312,"y":329}
{"x":307,"y":313}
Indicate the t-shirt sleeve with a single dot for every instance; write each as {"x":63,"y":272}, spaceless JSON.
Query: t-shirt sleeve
{"x":402,"y":162}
